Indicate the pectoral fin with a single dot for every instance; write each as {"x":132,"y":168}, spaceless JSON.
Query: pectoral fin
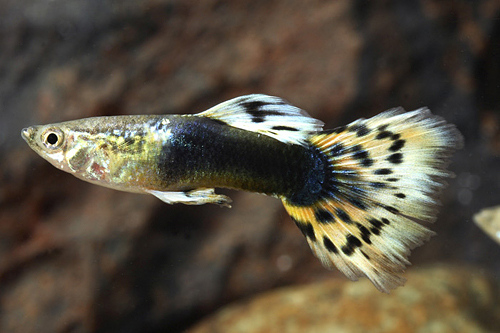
{"x":193,"y":197}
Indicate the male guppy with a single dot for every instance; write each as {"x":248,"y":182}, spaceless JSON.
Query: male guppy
{"x":355,"y":192}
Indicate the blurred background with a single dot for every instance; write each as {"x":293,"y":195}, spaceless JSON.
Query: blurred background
{"x":75,"y":257}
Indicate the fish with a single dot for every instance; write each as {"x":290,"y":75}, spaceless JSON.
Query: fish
{"x":488,"y":220}
{"x":358,"y":193}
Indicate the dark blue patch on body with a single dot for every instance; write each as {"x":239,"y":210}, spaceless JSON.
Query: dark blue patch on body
{"x":316,"y":179}
{"x":205,"y":151}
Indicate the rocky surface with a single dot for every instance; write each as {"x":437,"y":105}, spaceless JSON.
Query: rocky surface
{"x":438,"y":299}
{"x":79,"y":258}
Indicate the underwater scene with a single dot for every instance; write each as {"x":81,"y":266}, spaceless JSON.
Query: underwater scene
{"x":249,"y":166}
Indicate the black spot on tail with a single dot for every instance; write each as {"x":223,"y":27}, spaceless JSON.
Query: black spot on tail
{"x":357,"y":202}
{"x":361,"y":130}
{"x":367,"y":162}
{"x":365,"y":233}
{"x":329,"y":245}
{"x":397,"y":145}
{"x":362,"y":155}
{"x":376,"y":226}
{"x":324,"y":216}
{"x":307,"y":229}
{"x":396,"y":158}
{"x":343,"y":215}
{"x":391,"y":209}
{"x":383,"y":135}
{"x":336,"y":150}
{"x":384,"y":171}
{"x":377,"y":185}
{"x":376,"y":223}
{"x":339,"y":129}
{"x":352,"y":242}
{"x":365,"y":255}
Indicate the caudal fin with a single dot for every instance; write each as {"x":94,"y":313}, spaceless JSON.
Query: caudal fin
{"x":384,"y":174}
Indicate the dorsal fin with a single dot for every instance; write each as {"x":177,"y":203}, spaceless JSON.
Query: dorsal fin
{"x":268,"y":115}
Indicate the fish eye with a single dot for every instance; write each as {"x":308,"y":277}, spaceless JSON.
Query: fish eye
{"x":52,"y":138}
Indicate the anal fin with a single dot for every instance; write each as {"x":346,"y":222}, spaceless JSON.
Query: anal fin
{"x":193,"y":197}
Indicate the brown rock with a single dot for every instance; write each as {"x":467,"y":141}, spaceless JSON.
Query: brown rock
{"x":439,"y":299}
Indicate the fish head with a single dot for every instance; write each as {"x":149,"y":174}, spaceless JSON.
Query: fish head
{"x":60,"y":144}
{"x":48,"y":141}
{"x":108,"y":151}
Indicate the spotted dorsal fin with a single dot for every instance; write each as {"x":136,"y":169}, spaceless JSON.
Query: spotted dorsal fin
{"x":268,"y":115}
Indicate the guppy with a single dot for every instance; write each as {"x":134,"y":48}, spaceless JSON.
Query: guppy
{"x":356,"y":192}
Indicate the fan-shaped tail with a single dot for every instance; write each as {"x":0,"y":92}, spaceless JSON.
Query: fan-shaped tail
{"x":384,"y":174}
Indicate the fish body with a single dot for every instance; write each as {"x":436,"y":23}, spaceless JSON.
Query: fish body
{"x":354,"y":192}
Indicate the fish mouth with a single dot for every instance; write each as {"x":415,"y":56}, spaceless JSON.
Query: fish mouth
{"x":27,"y":133}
